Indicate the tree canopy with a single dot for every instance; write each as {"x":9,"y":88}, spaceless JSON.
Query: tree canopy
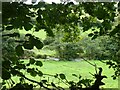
{"x":43,"y":16}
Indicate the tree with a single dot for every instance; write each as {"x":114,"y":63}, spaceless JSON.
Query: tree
{"x":49,"y":16}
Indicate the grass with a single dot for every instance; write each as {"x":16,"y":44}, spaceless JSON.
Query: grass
{"x":82,"y":68}
{"x":72,"y":67}
{"x":69,"y":67}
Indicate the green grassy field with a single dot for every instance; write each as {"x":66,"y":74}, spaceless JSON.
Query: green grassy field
{"x":71,"y":67}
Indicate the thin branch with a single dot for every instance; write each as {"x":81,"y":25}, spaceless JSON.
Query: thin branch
{"x":39,"y":83}
{"x":90,"y":63}
{"x":58,"y":78}
{"x":8,"y":83}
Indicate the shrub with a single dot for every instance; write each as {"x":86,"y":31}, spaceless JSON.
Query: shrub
{"x":28,"y":54}
{"x":41,"y":56}
{"x":102,"y":48}
{"x":48,"y":40}
{"x":69,"y":51}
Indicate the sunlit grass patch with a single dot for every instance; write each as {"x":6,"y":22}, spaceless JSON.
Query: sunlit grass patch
{"x":71,"y":67}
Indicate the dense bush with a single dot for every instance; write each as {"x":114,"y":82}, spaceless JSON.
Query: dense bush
{"x":48,"y":40}
{"x":8,"y":49}
{"x":39,"y":56}
{"x":91,"y":48}
{"x":69,"y":51}
{"x":28,"y":54}
{"x":101,"y":48}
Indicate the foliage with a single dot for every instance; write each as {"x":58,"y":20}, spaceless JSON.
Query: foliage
{"x":41,"y":56}
{"x":47,"y":17}
{"x":27,"y":54}
{"x":68,"y":51}
{"x":48,"y":40}
{"x":65,"y":42}
{"x":102,"y":48}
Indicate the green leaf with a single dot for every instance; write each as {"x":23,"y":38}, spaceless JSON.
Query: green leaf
{"x":6,"y":64}
{"x":21,"y":79}
{"x":40,"y":73}
{"x":39,"y":19}
{"x":32,"y":61}
{"x":16,"y":34}
{"x":80,"y":76}
{"x":4,"y":88}
{"x":3,"y":82}
{"x":90,"y":35}
{"x":28,"y":46}
{"x":74,"y":75}
{"x":5,"y":74}
{"x":39,"y":63}
{"x":17,"y":23}
{"x":116,"y":30}
{"x":19,"y":50}
{"x":56,"y":75}
{"x":14,"y":72}
{"x":38,"y":44}
{"x":49,"y":32}
{"x":32,"y":72}
{"x":41,"y":84}
{"x":53,"y":84}
{"x":37,"y":29}
{"x":28,"y":26}
{"x":20,"y":66}
{"x":109,"y":66}
{"x":28,"y":64}
{"x":33,"y":41}
{"x":96,"y":32}
{"x":44,"y":81}
{"x":62,"y":76}
{"x":94,"y":37}
{"x":13,"y":35}
{"x":29,"y":70}
{"x":114,"y":77}
{"x":28,"y":35}
{"x":31,"y":86}
{"x":9,"y":27}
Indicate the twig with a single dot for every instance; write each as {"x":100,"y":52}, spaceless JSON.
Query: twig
{"x":8,"y":83}
{"x":57,"y":77}
{"x":39,"y":83}
{"x":90,"y":63}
